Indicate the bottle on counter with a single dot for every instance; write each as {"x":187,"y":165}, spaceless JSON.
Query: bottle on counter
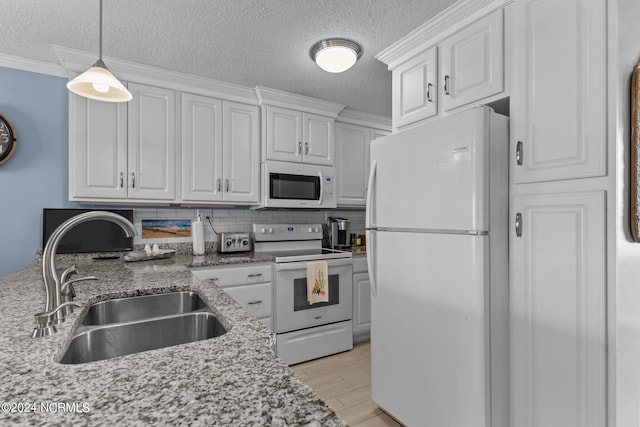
{"x":197,"y":232}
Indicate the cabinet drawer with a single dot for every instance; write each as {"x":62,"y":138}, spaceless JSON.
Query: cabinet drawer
{"x":256,"y":298}
{"x":236,"y":275}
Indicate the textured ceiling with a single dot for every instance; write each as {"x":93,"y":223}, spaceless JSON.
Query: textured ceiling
{"x":246,"y":42}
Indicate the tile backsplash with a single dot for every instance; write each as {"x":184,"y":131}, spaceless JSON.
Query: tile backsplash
{"x":237,"y":219}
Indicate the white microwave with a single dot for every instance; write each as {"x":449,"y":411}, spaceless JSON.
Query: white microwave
{"x":298,"y":185}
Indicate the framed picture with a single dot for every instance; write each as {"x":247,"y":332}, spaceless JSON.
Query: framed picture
{"x":635,"y":151}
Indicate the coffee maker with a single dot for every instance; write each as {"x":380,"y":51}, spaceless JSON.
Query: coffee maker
{"x":337,"y":233}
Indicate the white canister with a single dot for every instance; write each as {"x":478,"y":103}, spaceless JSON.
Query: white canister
{"x":197,"y":232}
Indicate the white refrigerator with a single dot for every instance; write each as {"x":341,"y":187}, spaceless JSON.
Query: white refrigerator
{"x":436,"y":219}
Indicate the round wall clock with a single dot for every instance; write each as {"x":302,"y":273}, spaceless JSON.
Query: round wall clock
{"x":7,"y":139}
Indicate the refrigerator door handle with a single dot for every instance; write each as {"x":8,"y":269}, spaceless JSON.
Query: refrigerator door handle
{"x":368,"y":206}
{"x":370,"y":261}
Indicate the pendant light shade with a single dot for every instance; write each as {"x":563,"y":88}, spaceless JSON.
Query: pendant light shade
{"x":335,"y":55}
{"x":98,"y":83}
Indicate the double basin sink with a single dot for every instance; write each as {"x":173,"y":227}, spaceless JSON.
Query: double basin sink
{"x":124,"y":326}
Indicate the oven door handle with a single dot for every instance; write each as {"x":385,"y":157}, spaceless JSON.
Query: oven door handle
{"x":302,"y":265}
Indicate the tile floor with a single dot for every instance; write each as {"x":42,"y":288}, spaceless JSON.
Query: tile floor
{"x":344,"y":381}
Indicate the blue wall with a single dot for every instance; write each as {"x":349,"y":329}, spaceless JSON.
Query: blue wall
{"x":36,"y":175}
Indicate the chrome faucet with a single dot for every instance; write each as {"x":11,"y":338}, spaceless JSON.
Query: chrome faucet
{"x":59,"y":291}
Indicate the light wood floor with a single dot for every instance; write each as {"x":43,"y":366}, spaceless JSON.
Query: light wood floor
{"x":344,"y":381}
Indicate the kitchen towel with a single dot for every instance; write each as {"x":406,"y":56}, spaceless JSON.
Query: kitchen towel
{"x":317,"y":282}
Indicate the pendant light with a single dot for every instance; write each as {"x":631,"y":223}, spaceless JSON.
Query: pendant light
{"x":97,"y":82}
{"x":335,"y":55}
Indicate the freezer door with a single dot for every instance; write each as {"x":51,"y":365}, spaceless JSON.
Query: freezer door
{"x":435,"y":176}
{"x":429,"y":340}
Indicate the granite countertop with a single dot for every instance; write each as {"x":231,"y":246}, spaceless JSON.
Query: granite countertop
{"x":234,"y":379}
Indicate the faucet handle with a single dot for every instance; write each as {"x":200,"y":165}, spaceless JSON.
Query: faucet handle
{"x":68,"y":272}
{"x":67,"y":287}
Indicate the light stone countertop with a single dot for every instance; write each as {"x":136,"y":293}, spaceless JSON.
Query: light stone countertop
{"x":234,"y":379}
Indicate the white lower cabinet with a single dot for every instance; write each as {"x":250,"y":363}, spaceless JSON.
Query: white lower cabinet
{"x":249,"y":285}
{"x":558,"y":307}
{"x":361,"y":300}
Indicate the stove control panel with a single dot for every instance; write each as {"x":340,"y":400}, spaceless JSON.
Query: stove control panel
{"x":234,"y":242}
{"x":277,"y":232}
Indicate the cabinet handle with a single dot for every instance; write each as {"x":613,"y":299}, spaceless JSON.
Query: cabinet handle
{"x":254,"y":275}
{"x":226,"y":185}
{"x":518,"y":224}
{"x":446,"y":85}
{"x":219,"y":184}
{"x":299,"y":147}
{"x":133,"y":180}
{"x":306,"y":148}
{"x":519,"y":153}
{"x":254,"y":302}
{"x":121,"y":179}
{"x":429,"y":86}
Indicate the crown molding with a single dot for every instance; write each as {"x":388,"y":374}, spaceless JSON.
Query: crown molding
{"x":32,"y":65}
{"x":77,"y":61}
{"x":445,"y":23}
{"x":354,"y":117}
{"x":278,"y":98}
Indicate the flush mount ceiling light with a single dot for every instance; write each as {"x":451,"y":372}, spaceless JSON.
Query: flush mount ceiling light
{"x":97,"y":82}
{"x":335,"y":55}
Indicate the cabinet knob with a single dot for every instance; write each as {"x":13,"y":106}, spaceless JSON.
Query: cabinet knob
{"x":133,"y":180}
{"x":429,"y":86}
{"x":219,"y":184}
{"x":518,"y":224}
{"x":519,"y":153}
{"x":299,"y":148}
{"x":447,"y":89}
{"x":121,"y":179}
{"x":306,"y":148}
{"x":226,"y":185}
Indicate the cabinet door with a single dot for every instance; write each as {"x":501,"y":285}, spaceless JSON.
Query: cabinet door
{"x":415,"y":92}
{"x":558,"y":314}
{"x":152,"y":143}
{"x":361,"y":303}
{"x":201,"y":148}
{"x":352,"y":163}
{"x":97,"y":149}
{"x":284,"y":134}
{"x":241,"y":152}
{"x":318,"y":138}
{"x":558,"y":109}
{"x":472,"y":62}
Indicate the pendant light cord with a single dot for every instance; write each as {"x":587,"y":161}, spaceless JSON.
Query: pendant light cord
{"x":100,"y":36}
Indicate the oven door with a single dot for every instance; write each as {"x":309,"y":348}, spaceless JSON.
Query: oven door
{"x":293,"y":311}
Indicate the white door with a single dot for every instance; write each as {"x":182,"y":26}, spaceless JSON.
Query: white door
{"x":318,"y":139}
{"x":435,"y":176}
{"x":241,"y":139}
{"x":472,"y":62}
{"x":284,"y":134}
{"x":97,"y":149}
{"x":559,"y":105}
{"x":429,"y":354}
{"x":415,"y":89}
{"x":352,"y":163}
{"x":201,"y":148}
{"x":152,"y":143}
{"x":558,"y":317}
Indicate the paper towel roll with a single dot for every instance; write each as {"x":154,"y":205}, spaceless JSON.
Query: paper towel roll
{"x":197,"y":232}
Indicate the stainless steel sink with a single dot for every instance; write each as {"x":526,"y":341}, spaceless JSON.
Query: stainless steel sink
{"x":132,"y":325}
{"x":116,"y":340}
{"x":142,"y":307}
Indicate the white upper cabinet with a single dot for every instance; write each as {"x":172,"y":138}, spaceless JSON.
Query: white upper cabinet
{"x":97,"y":149}
{"x":472,"y":62}
{"x":220,"y":150}
{"x":295,"y":136}
{"x":352,"y":162}
{"x":201,"y":148}
{"x":415,"y":92}
{"x":558,"y":111}
{"x":123,"y":151}
{"x":152,"y":143}
{"x":241,"y":152}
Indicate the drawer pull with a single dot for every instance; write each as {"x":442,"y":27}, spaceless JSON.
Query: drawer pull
{"x":254,"y":302}
{"x":253,"y":276}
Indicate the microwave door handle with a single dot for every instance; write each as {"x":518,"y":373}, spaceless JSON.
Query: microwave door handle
{"x":370,"y":191}
{"x":321,"y":188}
